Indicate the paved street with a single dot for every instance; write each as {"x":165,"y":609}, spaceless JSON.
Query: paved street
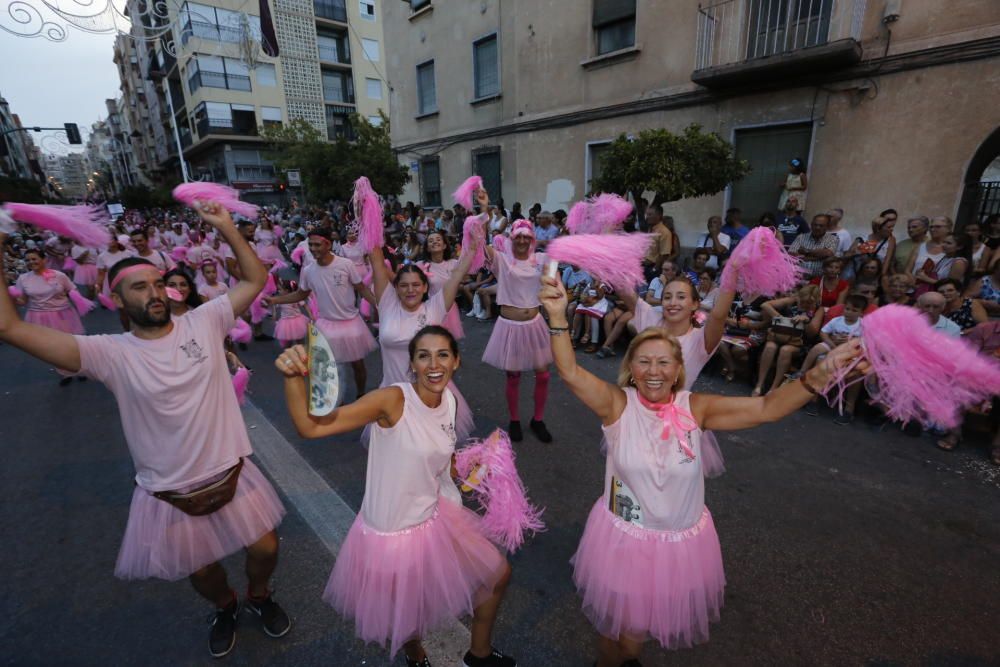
{"x":842,"y":545}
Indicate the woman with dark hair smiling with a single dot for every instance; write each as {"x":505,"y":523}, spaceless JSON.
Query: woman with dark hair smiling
{"x":181,"y":292}
{"x":440,"y":267}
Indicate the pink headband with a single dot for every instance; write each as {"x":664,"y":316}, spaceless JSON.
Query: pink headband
{"x":522,"y":227}
{"x":129,"y":270}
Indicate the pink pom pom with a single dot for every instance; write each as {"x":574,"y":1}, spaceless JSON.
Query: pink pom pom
{"x":474,"y":235}
{"x":278,"y":231}
{"x":297,"y":254}
{"x":598,"y":215}
{"x":241,"y":380}
{"x":228,"y":198}
{"x":241,"y":331}
{"x":466,"y":191}
{"x":69,"y":264}
{"x":179,"y":254}
{"x":277,"y":265}
{"x":923,"y":374}
{"x":85,"y":224}
{"x":313,"y":308}
{"x":82,"y":304}
{"x":613,"y":258}
{"x":368,"y":214}
{"x":106,"y":301}
{"x":508,"y":512}
{"x":15,"y":293}
{"x":760,"y":265}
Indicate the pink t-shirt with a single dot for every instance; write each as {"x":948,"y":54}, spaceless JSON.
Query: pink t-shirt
{"x":333,"y":286}
{"x":438,"y":274}
{"x":355,"y":253}
{"x":409,"y":465}
{"x":654,"y":476}
{"x":174,"y":239}
{"x":107,"y":259}
{"x":47,"y":292}
{"x":159,"y":259}
{"x":264,"y":237}
{"x":200,"y":253}
{"x":692,"y":343}
{"x":397,"y":327}
{"x":79,"y":251}
{"x":518,"y":280}
{"x":213,"y":291}
{"x":175,"y":396}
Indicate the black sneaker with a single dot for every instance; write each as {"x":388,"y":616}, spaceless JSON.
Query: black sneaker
{"x":222,"y":638}
{"x":274,"y":619}
{"x":542,"y":433}
{"x":514,"y":431}
{"x":418,"y":663}
{"x":812,"y":409}
{"x":494,"y":659}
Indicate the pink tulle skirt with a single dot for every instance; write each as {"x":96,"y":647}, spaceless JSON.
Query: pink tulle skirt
{"x":643,"y":584}
{"x":402,"y":585}
{"x":85,"y":274}
{"x":453,"y":322}
{"x":163,"y":542}
{"x":349,"y":340}
{"x":519,"y":346}
{"x":270,"y":253}
{"x":712,"y":463}
{"x":288,"y":329}
{"x":67,"y":320}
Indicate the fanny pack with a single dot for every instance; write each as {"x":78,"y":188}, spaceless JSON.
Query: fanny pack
{"x":207,"y":499}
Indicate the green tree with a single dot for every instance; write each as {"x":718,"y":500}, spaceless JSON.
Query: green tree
{"x":22,"y":190}
{"x":330,"y":169}
{"x":671,"y":166}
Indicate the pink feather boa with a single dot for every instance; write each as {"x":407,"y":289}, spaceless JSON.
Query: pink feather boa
{"x":241,"y":331}
{"x":15,"y":293}
{"x":598,"y":215}
{"x":298,"y":253}
{"x":474,"y":235}
{"x":241,"y":380}
{"x":82,"y":304}
{"x":85,"y":224}
{"x":106,"y":301}
{"x":228,"y":198}
{"x":922,"y":374}
{"x":612,"y":258}
{"x":508,"y":514}
{"x":368,"y":215}
{"x":760,"y":265}
{"x":466,"y":191}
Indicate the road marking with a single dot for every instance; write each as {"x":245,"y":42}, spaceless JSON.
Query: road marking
{"x":325,"y":512}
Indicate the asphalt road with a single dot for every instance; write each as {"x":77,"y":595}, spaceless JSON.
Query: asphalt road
{"x":842,"y":545}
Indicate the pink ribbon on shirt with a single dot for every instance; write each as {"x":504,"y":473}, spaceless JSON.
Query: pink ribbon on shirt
{"x":676,"y":421}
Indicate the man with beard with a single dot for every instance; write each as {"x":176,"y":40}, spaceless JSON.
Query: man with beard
{"x":197,"y":497}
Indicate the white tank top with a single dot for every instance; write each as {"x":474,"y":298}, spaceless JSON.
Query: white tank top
{"x":923,"y":256}
{"x":409,"y":465}
{"x":649,"y":481}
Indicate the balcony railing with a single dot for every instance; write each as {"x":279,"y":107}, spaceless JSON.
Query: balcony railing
{"x":251,"y":172}
{"x":331,"y":54}
{"x":206,"y":126}
{"x":732,"y":32}
{"x":218,"y":80}
{"x":335,"y":10}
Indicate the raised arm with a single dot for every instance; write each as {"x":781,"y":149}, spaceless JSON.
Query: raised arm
{"x":252,"y":273}
{"x":292,"y":297}
{"x":450,"y":289}
{"x":383,"y":405}
{"x":51,"y":346}
{"x":380,"y":274}
{"x":604,"y":399}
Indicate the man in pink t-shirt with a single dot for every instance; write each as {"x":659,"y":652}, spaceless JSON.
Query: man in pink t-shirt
{"x":336,"y":283}
{"x":184,"y":431}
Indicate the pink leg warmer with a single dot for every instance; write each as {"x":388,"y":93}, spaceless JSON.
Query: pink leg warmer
{"x":513,"y":393}
{"x":541,"y":393}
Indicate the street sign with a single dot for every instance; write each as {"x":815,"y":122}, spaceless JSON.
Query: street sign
{"x":294,"y":178}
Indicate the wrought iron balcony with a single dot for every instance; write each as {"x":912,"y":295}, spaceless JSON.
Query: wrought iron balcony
{"x":335,"y":10}
{"x":739,"y":41}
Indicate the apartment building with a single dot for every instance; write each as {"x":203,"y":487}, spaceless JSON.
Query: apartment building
{"x":890,"y":103}
{"x":19,"y":157}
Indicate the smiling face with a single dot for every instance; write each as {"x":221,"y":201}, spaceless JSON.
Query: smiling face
{"x":436,"y":243}
{"x":949,"y":292}
{"x":832,"y":270}
{"x":655,"y":367}
{"x":522,"y":246}
{"x":34,"y":260}
{"x":318,"y":247}
{"x":211,"y":273}
{"x":411,"y":287}
{"x":940,"y":228}
{"x":679,"y":301}
{"x":950,"y":245}
{"x":182,"y":286}
{"x":433,"y":361}
{"x":140,"y":243}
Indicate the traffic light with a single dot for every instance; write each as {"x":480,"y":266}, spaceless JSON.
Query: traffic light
{"x":73,"y":133}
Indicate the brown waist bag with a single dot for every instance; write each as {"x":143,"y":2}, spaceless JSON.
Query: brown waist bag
{"x":207,"y":499}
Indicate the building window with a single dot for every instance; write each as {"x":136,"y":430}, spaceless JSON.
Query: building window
{"x":338,"y":87}
{"x":486,"y":67}
{"x":270,"y":116}
{"x":594,"y":152}
{"x":368,"y":10}
{"x":430,"y":182}
{"x":370,"y":47}
{"x":373,"y":88}
{"x":416,"y":5}
{"x":338,"y":122}
{"x":334,"y":10}
{"x":375,"y":121}
{"x":221,"y":118}
{"x":266,"y":75}
{"x":426,"y":92}
{"x":333,"y":47}
{"x":217,"y":72}
{"x":614,"y":25}
{"x":486,"y":164}
{"x":214,"y":23}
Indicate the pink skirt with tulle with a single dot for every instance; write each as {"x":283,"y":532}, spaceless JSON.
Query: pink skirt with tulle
{"x":453,"y":322}
{"x":641,"y":584}
{"x":350,"y":340}
{"x":67,"y":320}
{"x":712,"y":463}
{"x":85,"y":274}
{"x":519,"y":346}
{"x":289,"y":329}
{"x":402,"y":585}
{"x":163,"y":542}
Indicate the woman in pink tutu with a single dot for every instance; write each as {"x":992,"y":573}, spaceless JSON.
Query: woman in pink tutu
{"x":267,"y":241}
{"x":649,"y":564}
{"x":292,"y":325}
{"x":519,"y":341}
{"x":415,"y":557}
{"x":439,"y":266}
{"x":45,"y":292}
{"x":353,"y":251}
{"x":405,"y":306}
{"x":680,"y":301}
{"x":85,"y":273}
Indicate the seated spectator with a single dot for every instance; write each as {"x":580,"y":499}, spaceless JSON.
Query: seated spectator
{"x":716,"y":242}
{"x":815,"y":246}
{"x":699,"y":261}
{"x":964,"y":312}
{"x":898,"y":290}
{"x":734,"y":227}
{"x":483,"y":280}
{"x":594,"y":305}
{"x":984,"y":337}
{"x":707,"y":289}
{"x":766,"y":219}
{"x":654,"y":291}
{"x":932,"y":305}
{"x":833,"y":288}
{"x":879,"y":245}
{"x":957,"y":259}
{"x":866,"y":291}
{"x":615,"y":322}
{"x":987,"y":289}
{"x":790,"y":223}
{"x":792,"y":321}
{"x":576,"y":281}
{"x":869,"y":270}
{"x":835,"y":332}
{"x":745,"y":331}
{"x":411,"y":249}
{"x":981,"y":254}
{"x":545,"y":230}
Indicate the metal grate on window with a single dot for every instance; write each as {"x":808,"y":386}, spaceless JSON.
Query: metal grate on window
{"x":486,"y":67}
{"x":426,"y":90}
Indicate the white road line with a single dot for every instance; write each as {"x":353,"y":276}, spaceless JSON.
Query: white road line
{"x":326,"y":513}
